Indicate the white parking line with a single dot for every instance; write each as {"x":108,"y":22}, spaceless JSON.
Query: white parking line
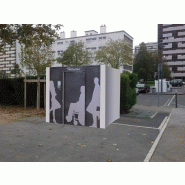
{"x":162,"y":124}
{"x":150,"y":153}
{"x":134,"y":126}
{"x":166,"y":102}
{"x":154,"y":115}
{"x":171,"y":100}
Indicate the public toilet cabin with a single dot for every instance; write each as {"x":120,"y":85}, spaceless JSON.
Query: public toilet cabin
{"x":84,"y":95}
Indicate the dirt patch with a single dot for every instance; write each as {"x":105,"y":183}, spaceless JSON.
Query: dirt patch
{"x":14,"y":113}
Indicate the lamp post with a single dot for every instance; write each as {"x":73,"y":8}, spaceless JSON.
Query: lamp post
{"x":163,"y":58}
{"x":158,"y":85}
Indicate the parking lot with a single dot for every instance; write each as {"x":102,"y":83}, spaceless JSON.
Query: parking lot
{"x":128,"y":139}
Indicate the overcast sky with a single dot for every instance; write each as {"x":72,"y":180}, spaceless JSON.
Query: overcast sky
{"x":139,"y":18}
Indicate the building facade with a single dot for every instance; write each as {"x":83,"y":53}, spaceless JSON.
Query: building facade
{"x":92,"y":41}
{"x":151,"y":46}
{"x":8,"y":58}
{"x":171,"y":45}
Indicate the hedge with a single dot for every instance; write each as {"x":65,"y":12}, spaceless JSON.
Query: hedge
{"x":12,"y":92}
{"x":128,"y":94}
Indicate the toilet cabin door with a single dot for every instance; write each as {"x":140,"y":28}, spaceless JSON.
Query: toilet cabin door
{"x":73,"y":100}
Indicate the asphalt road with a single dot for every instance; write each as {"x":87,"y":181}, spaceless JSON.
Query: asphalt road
{"x":149,"y":99}
{"x":34,"y":140}
{"x":128,"y":139}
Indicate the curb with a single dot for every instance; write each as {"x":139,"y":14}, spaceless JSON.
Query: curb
{"x":162,"y":128}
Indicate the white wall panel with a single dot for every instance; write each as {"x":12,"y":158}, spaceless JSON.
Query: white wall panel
{"x":102,"y":96}
{"x":47,"y":93}
{"x":112,"y":95}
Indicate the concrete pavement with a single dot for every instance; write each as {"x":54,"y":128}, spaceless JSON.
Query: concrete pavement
{"x":171,"y":147}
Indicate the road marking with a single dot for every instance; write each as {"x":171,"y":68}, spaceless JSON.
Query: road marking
{"x":163,"y":122}
{"x":150,"y":153}
{"x":154,"y":115}
{"x":171,"y":100}
{"x":135,"y":126}
{"x":166,"y":102}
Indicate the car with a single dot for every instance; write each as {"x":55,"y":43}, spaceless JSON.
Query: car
{"x":176,"y":83}
{"x":143,"y":88}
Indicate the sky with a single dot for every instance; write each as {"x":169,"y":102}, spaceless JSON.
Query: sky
{"x":139,"y":18}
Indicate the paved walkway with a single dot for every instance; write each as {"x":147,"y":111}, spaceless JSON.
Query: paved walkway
{"x":171,"y":146}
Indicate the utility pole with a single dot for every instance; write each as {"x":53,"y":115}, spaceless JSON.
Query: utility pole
{"x":158,"y":85}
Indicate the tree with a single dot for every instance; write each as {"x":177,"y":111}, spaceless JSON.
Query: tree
{"x":74,"y":55}
{"x":36,"y":56}
{"x":115,"y":53}
{"x":157,"y":60}
{"x":16,"y":70}
{"x":9,"y":33}
{"x":166,"y":71}
{"x":144,"y":63}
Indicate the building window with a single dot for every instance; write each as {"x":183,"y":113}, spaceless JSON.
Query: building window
{"x":90,"y":39}
{"x":59,"y":51}
{"x":102,"y":38}
{"x":174,"y":45}
{"x":59,"y":42}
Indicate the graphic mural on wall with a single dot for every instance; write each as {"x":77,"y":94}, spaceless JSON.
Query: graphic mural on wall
{"x":54,"y":103}
{"x":94,"y":105}
{"x":77,"y":100}
{"x":77,"y":110}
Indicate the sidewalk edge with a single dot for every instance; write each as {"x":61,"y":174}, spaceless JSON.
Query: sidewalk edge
{"x":151,"y":151}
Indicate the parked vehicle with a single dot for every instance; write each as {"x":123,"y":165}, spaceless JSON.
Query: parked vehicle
{"x":176,"y":83}
{"x":143,"y":88}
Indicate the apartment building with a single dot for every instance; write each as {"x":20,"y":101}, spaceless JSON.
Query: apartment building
{"x":92,"y":41}
{"x":171,"y":44}
{"x":8,"y":58}
{"x":151,"y":46}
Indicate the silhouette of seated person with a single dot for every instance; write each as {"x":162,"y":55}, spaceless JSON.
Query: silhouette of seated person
{"x":77,"y":110}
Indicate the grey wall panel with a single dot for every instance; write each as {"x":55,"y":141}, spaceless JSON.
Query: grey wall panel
{"x":79,"y":82}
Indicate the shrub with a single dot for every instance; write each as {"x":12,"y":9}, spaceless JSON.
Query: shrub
{"x":12,"y":92}
{"x":127,"y":91}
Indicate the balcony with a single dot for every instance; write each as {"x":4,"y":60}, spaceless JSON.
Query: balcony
{"x":181,"y":56}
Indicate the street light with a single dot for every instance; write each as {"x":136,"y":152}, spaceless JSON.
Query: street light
{"x":163,"y":58}
{"x":160,"y":68}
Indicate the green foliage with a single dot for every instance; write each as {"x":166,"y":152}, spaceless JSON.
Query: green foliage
{"x":127,"y":92}
{"x":36,"y":56}
{"x":12,"y":92}
{"x":9,"y":33}
{"x":166,"y":71}
{"x":144,"y":63}
{"x":75,"y":55}
{"x":115,"y":53}
{"x":16,"y":70}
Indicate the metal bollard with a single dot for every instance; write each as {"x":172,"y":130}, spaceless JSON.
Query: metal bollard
{"x":176,"y":98}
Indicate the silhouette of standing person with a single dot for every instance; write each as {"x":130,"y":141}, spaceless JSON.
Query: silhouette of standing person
{"x":54,"y":103}
{"x":95,"y":103}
